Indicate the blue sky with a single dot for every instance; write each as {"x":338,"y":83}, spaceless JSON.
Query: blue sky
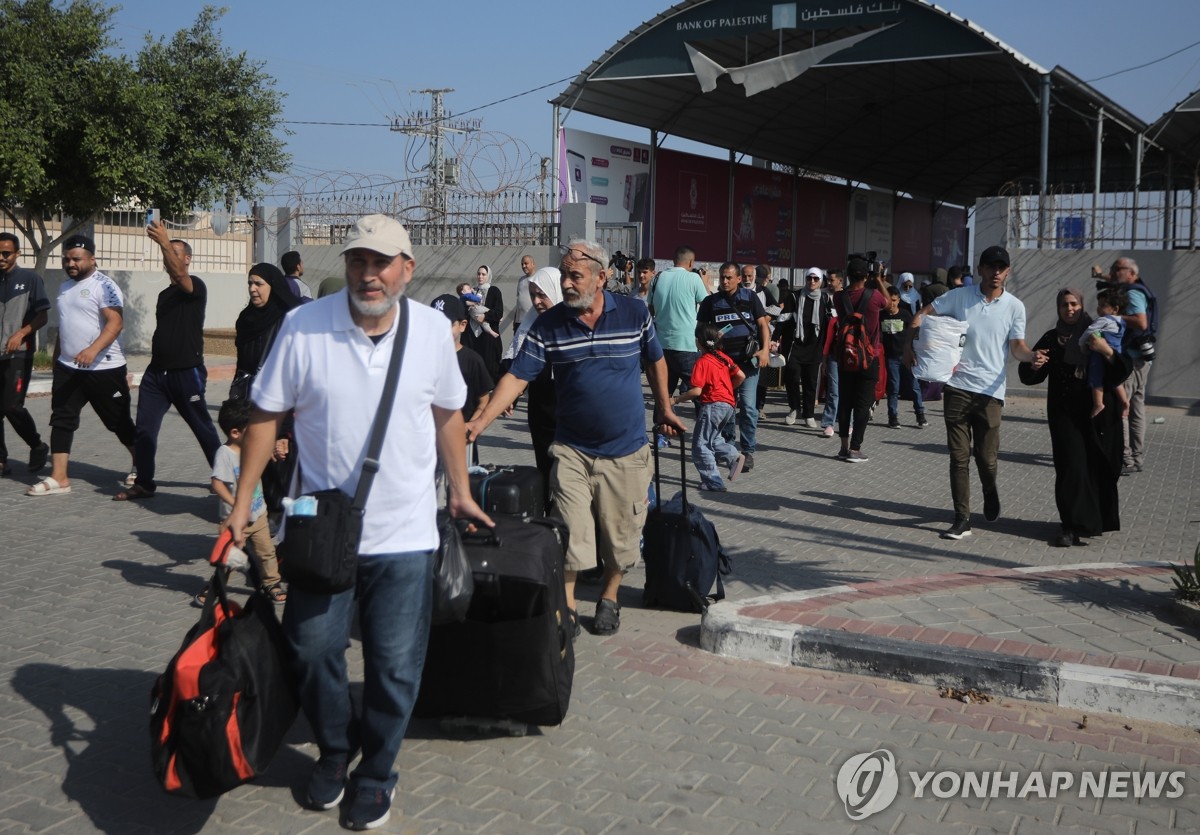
{"x":350,"y":65}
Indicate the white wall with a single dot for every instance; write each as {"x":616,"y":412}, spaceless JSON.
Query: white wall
{"x":226,"y":298}
{"x":1174,"y":277}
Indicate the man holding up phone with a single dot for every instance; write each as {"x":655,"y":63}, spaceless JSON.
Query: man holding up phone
{"x":176,"y":375}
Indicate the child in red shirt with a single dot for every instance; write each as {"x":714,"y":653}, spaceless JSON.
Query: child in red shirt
{"x":714,"y":378}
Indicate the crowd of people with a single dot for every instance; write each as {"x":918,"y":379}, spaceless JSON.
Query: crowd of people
{"x":577,"y":343}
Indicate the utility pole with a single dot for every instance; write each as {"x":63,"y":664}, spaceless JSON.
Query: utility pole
{"x":434,"y":125}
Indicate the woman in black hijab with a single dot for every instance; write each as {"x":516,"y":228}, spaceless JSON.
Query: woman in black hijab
{"x":257,"y":324}
{"x":1087,"y":451}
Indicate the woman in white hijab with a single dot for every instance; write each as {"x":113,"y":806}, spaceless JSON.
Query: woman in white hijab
{"x":908,"y":293}
{"x":545,"y":292}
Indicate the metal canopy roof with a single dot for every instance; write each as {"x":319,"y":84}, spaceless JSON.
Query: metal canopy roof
{"x":899,"y":94}
{"x":1179,"y":128}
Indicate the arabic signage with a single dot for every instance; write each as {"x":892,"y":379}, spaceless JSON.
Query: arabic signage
{"x":691,"y":205}
{"x":685,"y":43}
{"x":692,"y":208}
{"x":822,"y":224}
{"x":762,"y":216}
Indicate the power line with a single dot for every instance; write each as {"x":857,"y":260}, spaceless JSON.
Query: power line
{"x":1142,"y":66}
{"x":456,"y":115}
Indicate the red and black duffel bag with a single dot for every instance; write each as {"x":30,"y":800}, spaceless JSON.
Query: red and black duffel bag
{"x":222,"y":708}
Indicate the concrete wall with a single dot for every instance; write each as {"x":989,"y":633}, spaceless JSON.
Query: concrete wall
{"x":1174,"y":277}
{"x":226,"y":298}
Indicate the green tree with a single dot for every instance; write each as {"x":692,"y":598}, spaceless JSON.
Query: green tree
{"x":83,"y":129}
{"x":223,"y":112}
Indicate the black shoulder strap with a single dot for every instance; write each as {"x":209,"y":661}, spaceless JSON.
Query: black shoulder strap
{"x":384,"y":413}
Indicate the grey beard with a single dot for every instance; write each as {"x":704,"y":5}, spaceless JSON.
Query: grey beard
{"x":581,"y":302}
{"x":378,"y":308}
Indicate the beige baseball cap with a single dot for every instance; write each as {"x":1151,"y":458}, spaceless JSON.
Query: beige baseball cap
{"x":379,"y":233}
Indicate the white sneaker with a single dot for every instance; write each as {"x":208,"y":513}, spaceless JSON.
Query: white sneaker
{"x":811,"y":423}
{"x":790,"y":420}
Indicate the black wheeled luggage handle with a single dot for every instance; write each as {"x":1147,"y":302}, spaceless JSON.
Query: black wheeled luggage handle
{"x":658,"y":494}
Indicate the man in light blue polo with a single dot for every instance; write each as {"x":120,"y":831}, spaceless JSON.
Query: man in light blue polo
{"x":596,"y":343}
{"x":974,"y":395}
{"x":673,"y":298}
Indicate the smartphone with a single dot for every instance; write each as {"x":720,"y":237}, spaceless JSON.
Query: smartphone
{"x":151,"y":216}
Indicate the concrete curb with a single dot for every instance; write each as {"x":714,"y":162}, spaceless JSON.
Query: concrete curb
{"x":1087,"y":687}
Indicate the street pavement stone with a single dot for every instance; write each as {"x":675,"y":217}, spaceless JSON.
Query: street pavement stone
{"x":661,"y":735}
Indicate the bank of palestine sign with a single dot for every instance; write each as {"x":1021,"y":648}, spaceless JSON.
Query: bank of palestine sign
{"x":693,"y":41}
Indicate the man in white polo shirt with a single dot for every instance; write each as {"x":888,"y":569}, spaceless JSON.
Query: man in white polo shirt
{"x":973,"y":398}
{"x":329,"y":363}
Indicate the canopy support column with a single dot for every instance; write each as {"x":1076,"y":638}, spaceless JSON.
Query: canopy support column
{"x":1044,"y":163}
{"x":1099,"y":162}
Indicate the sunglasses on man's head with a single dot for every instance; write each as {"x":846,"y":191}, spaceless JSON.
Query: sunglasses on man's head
{"x":576,"y":252}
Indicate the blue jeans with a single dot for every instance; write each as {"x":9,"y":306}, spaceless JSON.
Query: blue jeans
{"x":159,"y":391}
{"x":394,"y":593}
{"x":747,"y":417}
{"x":897,"y":375}
{"x":829,"y":416}
{"x":709,"y":446}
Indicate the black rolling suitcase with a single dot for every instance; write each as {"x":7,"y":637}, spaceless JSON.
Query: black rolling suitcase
{"x":512,"y":657}
{"x":510,"y":490}
{"x":682,"y":552}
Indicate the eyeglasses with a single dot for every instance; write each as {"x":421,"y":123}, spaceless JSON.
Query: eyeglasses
{"x":577,"y":253}
{"x":814,"y":278}
{"x":4,"y":254}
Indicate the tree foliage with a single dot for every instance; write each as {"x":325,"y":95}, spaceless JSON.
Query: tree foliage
{"x":222,"y":110}
{"x":83,"y":128}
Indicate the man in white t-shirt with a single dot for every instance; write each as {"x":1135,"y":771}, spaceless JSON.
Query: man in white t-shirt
{"x":974,"y":396}
{"x":328,"y":364}
{"x":89,"y":363}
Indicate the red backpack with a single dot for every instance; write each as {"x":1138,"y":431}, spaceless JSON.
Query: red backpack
{"x":853,"y":348}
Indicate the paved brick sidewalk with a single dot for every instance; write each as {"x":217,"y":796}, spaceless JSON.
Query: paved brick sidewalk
{"x":661,"y":735}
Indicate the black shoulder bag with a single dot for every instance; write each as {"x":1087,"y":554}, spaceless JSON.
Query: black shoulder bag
{"x":319,"y":553}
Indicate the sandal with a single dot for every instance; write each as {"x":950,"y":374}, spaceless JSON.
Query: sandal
{"x":608,"y":618}
{"x":276,"y":594}
{"x":133,"y":493}
{"x":576,"y":629}
{"x":47,"y":487}
{"x":201,"y":597}
{"x":5,"y":470}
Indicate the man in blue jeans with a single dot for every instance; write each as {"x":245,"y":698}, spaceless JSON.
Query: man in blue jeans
{"x":176,"y":375}
{"x":329,"y":364}
{"x":737,"y":310}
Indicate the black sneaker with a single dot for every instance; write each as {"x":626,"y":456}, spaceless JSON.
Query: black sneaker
{"x":748,"y":465}
{"x":608,"y":618}
{"x":921,"y":421}
{"x":371,"y":809}
{"x":857,"y":457}
{"x":327,"y":784}
{"x":843,"y":455}
{"x":893,"y":423}
{"x":38,"y":456}
{"x":960,"y":528}
{"x":991,"y":505}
